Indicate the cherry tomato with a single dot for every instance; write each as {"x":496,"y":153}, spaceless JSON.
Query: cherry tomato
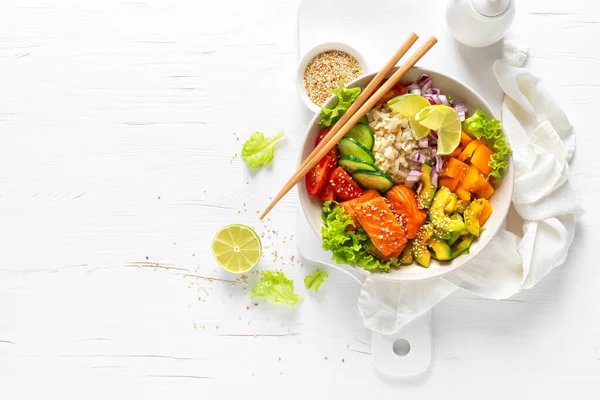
{"x":318,"y":176}
{"x":321,"y":135}
{"x":327,"y":193}
{"x":343,"y":185}
{"x":397,"y":90}
{"x":400,"y":89}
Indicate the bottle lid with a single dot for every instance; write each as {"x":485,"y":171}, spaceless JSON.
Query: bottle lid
{"x":491,"y":8}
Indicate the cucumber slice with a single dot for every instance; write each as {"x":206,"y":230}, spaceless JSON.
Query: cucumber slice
{"x":351,"y":164}
{"x":362,"y":134}
{"x":364,"y":120}
{"x":373,"y":180}
{"x":350,"y":147}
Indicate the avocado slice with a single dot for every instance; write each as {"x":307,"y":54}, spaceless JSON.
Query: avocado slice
{"x":406,"y":258}
{"x":451,"y":205}
{"x":438,"y":217}
{"x":472,"y":214}
{"x":453,"y":240}
{"x":425,"y":197}
{"x":440,"y":248}
{"x":461,"y":206}
{"x":420,"y":251}
{"x":440,"y":234}
{"x":462,"y":247}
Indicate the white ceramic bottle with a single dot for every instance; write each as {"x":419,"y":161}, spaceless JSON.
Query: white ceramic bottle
{"x":479,"y":23}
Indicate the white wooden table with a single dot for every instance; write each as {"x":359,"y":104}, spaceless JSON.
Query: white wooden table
{"x":120,"y":122}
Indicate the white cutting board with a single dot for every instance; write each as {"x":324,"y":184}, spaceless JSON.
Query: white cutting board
{"x":376,"y":28}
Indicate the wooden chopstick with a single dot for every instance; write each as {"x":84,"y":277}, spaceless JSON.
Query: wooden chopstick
{"x":353,"y":119}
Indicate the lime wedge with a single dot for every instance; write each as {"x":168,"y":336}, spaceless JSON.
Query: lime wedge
{"x":409,"y":105}
{"x":419,"y":131}
{"x":446,"y":122}
{"x":237,"y":248}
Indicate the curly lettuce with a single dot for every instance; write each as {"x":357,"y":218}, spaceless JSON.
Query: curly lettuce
{"x":276,"y":288}
{"x":259,"y":150}
{"x":314,"y":280}
{"x":345,"y":98}
{"x":349,"y":247}
{"x":479,"y":126}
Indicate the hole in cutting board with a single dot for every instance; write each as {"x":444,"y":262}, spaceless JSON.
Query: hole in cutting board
{"x":401,"y":347}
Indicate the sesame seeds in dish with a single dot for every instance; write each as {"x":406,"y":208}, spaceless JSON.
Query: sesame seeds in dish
{"x":326,"y":71}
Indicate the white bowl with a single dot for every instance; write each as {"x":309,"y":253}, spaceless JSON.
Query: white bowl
{"x":312,"y":53}
{"x":500,"y":201}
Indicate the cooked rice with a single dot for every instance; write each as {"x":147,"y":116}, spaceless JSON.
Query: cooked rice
{"x":394,"y":143}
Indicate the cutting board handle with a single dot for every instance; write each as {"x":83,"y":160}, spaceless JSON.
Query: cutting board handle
{"x":417,"y":333}
{"x":406,"y":352}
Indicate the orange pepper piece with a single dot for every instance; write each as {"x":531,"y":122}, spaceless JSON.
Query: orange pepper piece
{"x":484,"y":188}
{"x":465,"y":139}
{"x":462,"y":193}
{"x":481,"y":159}
{"x":470,"y":149}
{"x":456,"y":152}
{"x":471,"y":179}
{"x":485,"y":212}
{"x":450,"y":183}
{"x":456,"y":169}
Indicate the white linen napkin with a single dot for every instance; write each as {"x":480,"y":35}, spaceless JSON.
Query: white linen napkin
{"x":544,"y":207}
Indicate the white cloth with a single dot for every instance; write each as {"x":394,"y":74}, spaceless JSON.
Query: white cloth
{"x":544,"y":206}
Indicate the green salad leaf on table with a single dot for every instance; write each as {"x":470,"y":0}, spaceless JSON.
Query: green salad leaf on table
{"x":491,"y":129}
{"x":349,"y":247}
{"x":345,"y":98}
{"x":259,"y":150}
{"x":314,"y":280}
{"x":275,"y":287}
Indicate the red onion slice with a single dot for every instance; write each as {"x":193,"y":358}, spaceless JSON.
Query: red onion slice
{"x":413,"y":177}
{"x":434,"y":179}
{"x":422,"y":79}
{"x":439,"y":164}
{"x":426,"y":89}
{"x":461,"y":109}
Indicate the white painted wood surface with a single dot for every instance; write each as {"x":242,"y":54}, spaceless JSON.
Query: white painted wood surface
{"x":119,"y":123}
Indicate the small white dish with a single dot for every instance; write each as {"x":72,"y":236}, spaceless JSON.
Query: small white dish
{"x":312,"y":53}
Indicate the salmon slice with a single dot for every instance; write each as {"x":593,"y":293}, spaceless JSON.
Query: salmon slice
{"x":403,"y":202}
{"x":380,"y":223}
{"x":350,"y":206}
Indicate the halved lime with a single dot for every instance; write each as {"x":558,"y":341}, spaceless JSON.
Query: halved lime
{"x":446,"y":122}
{"x":237,"y":248}
{"x":409,"y":105}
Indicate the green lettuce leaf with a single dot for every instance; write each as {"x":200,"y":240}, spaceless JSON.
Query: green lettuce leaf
{"x":479,"y":126}
{"x":275,"y":287}
{"x":345,"y":98}
{"x":349,"y":247}
{"x":259,"y":150}
{"x":314,"y":280}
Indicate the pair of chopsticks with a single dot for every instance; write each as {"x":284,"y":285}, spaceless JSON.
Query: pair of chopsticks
{"x":357,"y":110}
